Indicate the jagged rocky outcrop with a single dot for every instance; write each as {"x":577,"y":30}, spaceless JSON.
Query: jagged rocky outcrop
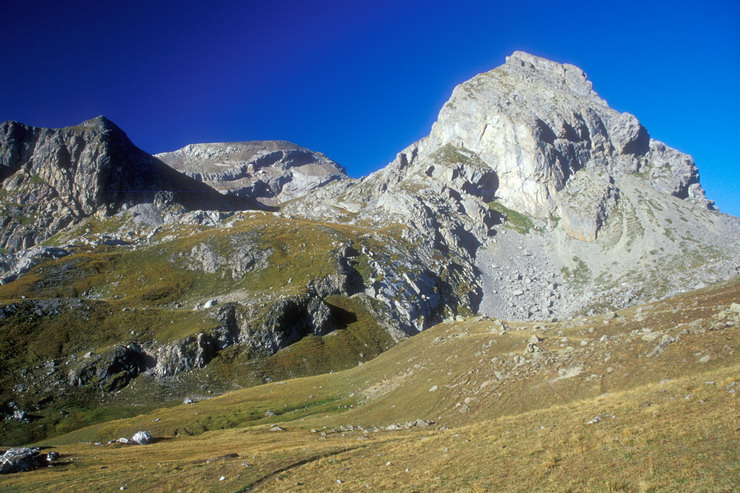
{"x":53,"y":178}
{"x":22,"y":459}
{"x":556,"y":202}
{"x":271,"y":171}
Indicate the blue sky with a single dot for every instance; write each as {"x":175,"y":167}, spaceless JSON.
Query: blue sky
{"x":360,"y":80}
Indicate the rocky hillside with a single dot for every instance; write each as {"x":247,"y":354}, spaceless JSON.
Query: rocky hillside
{"x":269,"y":171}
{"x":54,"y":178}
{"x":530,"y":200}
{"x":548,"y":200}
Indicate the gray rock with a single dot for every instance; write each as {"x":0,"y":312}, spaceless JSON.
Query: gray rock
{"x":269,"y":171}
{"x":142,"y":438}
{"x":62,"y":176}
{"x":25,"y":459}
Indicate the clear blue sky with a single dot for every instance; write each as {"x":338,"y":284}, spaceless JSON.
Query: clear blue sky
{"x":360,"y":80}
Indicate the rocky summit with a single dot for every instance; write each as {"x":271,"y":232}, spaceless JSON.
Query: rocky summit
{"x":269,"y":171}
{"x":545,"y":200}
{"x":54,"y":178}
{"x":131,"y":282}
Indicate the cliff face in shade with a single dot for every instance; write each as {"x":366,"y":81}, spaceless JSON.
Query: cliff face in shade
{"x":52,"y":178}
{"x":270,"y":171}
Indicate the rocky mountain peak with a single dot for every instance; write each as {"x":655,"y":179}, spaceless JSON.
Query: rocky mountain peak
{"x":531,"y":67}
{"x":536,"y":194}
{"x":527,"y":127}
{"x":101,"y":122}
{"x":271,"y":171}
{"x":53,"y":178}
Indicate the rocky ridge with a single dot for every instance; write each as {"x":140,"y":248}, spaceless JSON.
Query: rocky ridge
{"x":54,"y":178}
{"x":268,"y":171}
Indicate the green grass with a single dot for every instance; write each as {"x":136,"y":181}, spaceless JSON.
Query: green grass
{"x":146,"y":296}
{"x":579,"y":275}
{"x":514,"y":220}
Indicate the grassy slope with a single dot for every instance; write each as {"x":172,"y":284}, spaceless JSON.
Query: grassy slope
{"x":672,"y":430}
{"x":157,"y":287}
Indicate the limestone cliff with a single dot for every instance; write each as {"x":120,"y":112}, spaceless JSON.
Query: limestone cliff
{"x":560,"y":203}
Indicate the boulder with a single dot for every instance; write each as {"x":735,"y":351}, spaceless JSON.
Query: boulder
{"x":142,"y":438}
{"x":25,"y":459}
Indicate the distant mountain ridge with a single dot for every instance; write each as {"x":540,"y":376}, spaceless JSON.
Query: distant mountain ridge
{"x":269,"y":171}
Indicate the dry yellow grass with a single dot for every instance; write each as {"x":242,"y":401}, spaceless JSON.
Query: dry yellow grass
{"x":668,"y":419}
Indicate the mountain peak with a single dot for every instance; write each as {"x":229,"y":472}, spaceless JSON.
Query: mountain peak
{"x":525,"y":66}
{"x":270,"y":171}
{"x":102,"y":122}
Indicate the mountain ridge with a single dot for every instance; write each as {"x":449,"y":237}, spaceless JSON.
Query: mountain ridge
{"x":270,"y":171}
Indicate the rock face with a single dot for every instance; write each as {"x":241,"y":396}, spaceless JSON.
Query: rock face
{"x":269,"y":171}
{"x":53,"y":178}
{"x":532,"y":124}
{"x":542,"y":199}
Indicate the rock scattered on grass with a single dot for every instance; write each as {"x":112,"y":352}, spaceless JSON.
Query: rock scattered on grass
{"x":25,"y":459}
{"x":142,"y":438}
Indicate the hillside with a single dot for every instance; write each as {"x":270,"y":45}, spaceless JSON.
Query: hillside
{"x":640,"y":400}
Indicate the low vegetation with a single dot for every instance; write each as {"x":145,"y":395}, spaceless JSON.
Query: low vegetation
{"x":639,"y":400}
{"x":513,"y":219}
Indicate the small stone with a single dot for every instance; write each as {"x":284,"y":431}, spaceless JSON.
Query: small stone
{"x":433,"y":388}
{"x":650,"y":337}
